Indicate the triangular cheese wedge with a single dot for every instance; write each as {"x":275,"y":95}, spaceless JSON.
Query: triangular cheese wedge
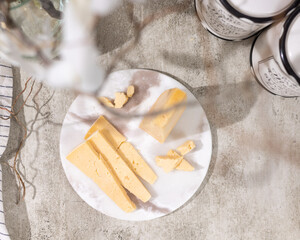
{"x":110,"y":132}
{"x":95,"y":167}
{"x":160,"y":126}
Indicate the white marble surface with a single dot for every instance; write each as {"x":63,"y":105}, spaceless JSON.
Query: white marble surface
{"x":171,"y":190}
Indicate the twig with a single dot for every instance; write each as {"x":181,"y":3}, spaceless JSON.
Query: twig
{"x":14,"y":114}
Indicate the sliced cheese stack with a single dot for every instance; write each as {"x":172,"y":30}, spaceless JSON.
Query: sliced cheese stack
{"x":160,"y":126}
{"x":128,"y":179}
{"x":110,"y":153}
{"x":95,"y":167}
{"x":124,"y":149}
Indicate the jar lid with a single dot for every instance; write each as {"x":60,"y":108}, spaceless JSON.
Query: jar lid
{"x":259,"y":11}
{"x":289,"y":44}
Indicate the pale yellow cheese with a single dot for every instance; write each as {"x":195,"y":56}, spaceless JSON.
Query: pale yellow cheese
{"x":168,"y":163}
{"x":136,"y":162}
{"x":95,"y":167}
{"x":186,"y":147}
{"x":107,"y":102}
{"x":127,"y":177}
{"x":130,"y":91}
{"x":120,"y":99}
{"x":184,"y":165}
{"x":161,"y":126}
{"x":125,"y":149}
{"x":110,"y":132}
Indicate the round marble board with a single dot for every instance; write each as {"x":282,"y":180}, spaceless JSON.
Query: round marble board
{"x":171,"y":190}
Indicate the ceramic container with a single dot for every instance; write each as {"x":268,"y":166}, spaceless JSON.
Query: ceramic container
{"x":275,"y":57}
{"x":240,"y":19}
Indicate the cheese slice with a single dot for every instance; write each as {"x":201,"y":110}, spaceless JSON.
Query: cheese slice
{"x":184,"y":165}
{"x":95,"y":167}
{"x":107,"y":102}
{"x":136,"y":162}
{"x":168,"y":163}
{"x":186,"y":147}
{"x":161,"y":126}
{"x":127,"y":177}
{"x":110,"y":132}
{"x":125,"y":149}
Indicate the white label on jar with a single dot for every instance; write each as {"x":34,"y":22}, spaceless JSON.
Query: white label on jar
{"x":276,"y":80}
{"x":223,"y":23}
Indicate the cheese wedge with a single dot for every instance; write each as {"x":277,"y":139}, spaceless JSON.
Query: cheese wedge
{"x":136,"y":162}
{"x":95,"y":167}
{"x":110,"y":132}
{"x":186,"y":147}
{"x":168,"y":163}
{"x":161,"y":126}
{"x":184,"y":165}
{"x":127,"y":177}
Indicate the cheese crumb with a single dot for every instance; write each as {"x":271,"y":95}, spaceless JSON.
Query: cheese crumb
{"x":106,"y":101}
{"x":120,"y":100}
{"x":186,"y":147}
{"x":130,"y":91}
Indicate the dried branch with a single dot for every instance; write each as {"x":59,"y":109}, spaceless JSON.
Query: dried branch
{"x":14,"y":114}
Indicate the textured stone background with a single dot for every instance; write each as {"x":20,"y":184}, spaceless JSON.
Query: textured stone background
{"x":252,"y":190}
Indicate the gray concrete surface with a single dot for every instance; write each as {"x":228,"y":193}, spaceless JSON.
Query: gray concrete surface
{"x":252,"y":190}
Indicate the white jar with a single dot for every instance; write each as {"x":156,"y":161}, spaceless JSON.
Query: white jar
{"x":240,"y":19}
{"x":275,"y":57}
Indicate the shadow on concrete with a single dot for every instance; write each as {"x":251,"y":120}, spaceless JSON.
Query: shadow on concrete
{"x":114,"y":30}
{"x":228,"y":104}
{"x":16,"y":216}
